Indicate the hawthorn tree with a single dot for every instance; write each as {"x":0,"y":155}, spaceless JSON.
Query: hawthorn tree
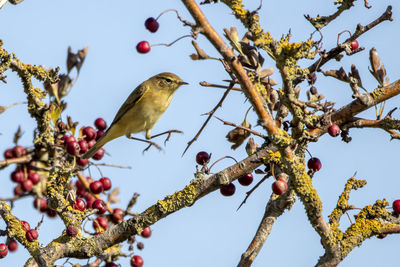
{"x":291,"y":113}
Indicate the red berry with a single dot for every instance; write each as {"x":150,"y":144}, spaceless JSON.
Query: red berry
{"x":91,"y":143}
{"x":8,"y":154}
{"x":151,"y":24}
{"x":246,"y":179}
{"x":18,"y":151}
{"x":51,"y":213}
{"x":314,"y":164}
{"x":146,"y":233}
{"x":354,"y":45}
{"x":32,"y":235}
{"x":68,"y":138}
{"x":106,"y":183}
{"x":100,"y":133}
{"x":279,"y":186}
{"x":71,"y":230}
{"x":143,"y":47}
{"x":89,"y":133}
{"x":79,"y":204}
{"x":100,"y":124}
{"x":27,"y":185}
{"x":202,"y":158}
{"x":99,"y":154}
{"x":96,"y":187}
{"x":3,"y":250}
{"x":17,"y":176}
{"x":100,"y":205}
{"x":25,"y":226}
{"x":334,"y":130}
{"x":100,"y":222}
{"x":136,"y":261}
{"x":34,"y":177}
{"x":18,"y":190}
{"x":12,"y":245}
{"x":117,"y":216}
{"x":72,"y":148}
{"x":82,"y":162}
{"x":396,"y":207}
{"x":83,"y":146}
{"x":228,"y":190}
{"x":40,"y":204}
{"x":111,"y":264}
{"x":89,"y":200}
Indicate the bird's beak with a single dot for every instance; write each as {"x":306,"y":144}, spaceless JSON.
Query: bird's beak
{"x":182,"y":83}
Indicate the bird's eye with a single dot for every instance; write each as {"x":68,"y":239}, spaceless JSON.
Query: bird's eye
{"x":168,"y":80}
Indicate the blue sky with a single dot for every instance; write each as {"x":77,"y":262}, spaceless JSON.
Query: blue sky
{"x":212,"y":232}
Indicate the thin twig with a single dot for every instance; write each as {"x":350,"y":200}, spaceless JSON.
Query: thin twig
{"x":111,"y":165}
{"x":248,"y":193}
{"x":207,"y":84}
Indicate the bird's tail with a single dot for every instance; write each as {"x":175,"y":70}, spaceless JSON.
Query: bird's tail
{"x":108,"y":136}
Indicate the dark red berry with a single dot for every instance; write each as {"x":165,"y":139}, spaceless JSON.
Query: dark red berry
{"x":89,"y":200}
{"x":228,"y":190}
{"x":106,"y":183}
{"x":27,"y":185}
{"x":40,"y":204}
{"x":202,"y":158}
{"x":334,"y":130}
{"x":17,"y":176}
{"x":18,"y":190}
{"x":354,"y":45}
{"x":68,"y":138}
{"x":99,"y":154}
{"x":96,"y":187}
{"x":111,"y":264}
{"x":3,"y":250}
{"x":136,"y":261}
{"x":100,"y":205}
{"x":82,"y":162}
{"x":79,"y":204}
{"x":12,"y":245}
{"x":19,"y":151}
{"x":100,"y":222}
{"x":51,"y":213}
{"x":151,"y":24}
{"x":72,"y":148}
{"x":31,"y":235}
{"x":143,"y":47}
{"x":314,"y":164}
{"x":91,"y":143}
{"x":25,"y":226}
{"x":8,"y":154}
{"x":396,"y":206}
{"x":146,"y":233}
{"x":71,"y":230}
{"x":89,"y":133}
{"x":246,"y":179}
{"x":279,"y":186}
{"x":83,"y":146}
{"x":34,"y":177}
{"x":100,"y":133}
{"x":100,"y":124}
{"x":117,"y":215}
{"x":381,"y":236}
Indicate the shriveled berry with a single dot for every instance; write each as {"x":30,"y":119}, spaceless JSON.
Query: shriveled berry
{"x":381,"y":236}
{"x":246,"y":179}
{"x":34,"y":177}
{"x":334,"y":130}
{"x":51,"y":213}
{"x":40,"y":204}
{"x":354,"y":45}
{"x":31,"y":235}
{"x":279,"y":186}
{"x":79,"y":204}
{"x":89,"y":133}
{"x":136,"y":261}
{"x":18,"y":190}
{"x":314,"y":164}
{"x":111,"y":264}
{"x":106,"y":183}
{"x":27,"y":185}
{"x":228,"y":190}
{"x":12,"y":245}
{"x":396,"y":206}
{"x":100,"y":124}
{"x":25,"y":226}
{"x":100,"y":205}
{"x":96,"y":187}
{"x":151,"y":24}
{"x":99,"y":154}
{"x":143,"y":47}
{"x":71,"y":230}
{"x":19,"y":151}
{"x":202,"y":158}
{"x":3,"y":250}
{"x":146,"y":233}
{"x":117,"y":215}
{"x":100,"y":222}
{"x":8,"y":154}
{"x":83,"y":146}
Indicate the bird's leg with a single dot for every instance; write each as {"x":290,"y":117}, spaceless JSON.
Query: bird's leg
{"x":148,"y":136}
{"x":146,"y":141}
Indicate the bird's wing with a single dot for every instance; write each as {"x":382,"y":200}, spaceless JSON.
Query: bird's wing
{"x":132,"y":99}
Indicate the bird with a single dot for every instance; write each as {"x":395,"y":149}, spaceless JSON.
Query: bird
{"x":141,"y":110}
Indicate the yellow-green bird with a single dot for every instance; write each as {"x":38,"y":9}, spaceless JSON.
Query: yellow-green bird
{"x":141,"y":111}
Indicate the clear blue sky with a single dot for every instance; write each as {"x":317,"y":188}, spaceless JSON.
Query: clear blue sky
{"x":212,"y":232}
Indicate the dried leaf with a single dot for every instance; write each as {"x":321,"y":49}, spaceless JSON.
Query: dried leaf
{"x":251,"y":146}
{"x":374,"y":59}
{"x":233,"y":38}
{"x":112,"y":197}
{"x":17,"y":135}
{"x":338,"y":74}
{"x":200,"y":52}
{"x":238,"y":135}
{"x":356,"y":74}
{"x":266,"y":72}
{"x":55,"y":113}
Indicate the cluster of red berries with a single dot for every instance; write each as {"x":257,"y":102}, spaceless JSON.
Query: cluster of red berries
{"x":103,"y":184}
{"x":12,"y":245}
{"x":25,"y":178}
{"x":89,"y":137}
{"x":91,"y":201}
{"x":152,"y":25}
{"x":40,"y":204}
